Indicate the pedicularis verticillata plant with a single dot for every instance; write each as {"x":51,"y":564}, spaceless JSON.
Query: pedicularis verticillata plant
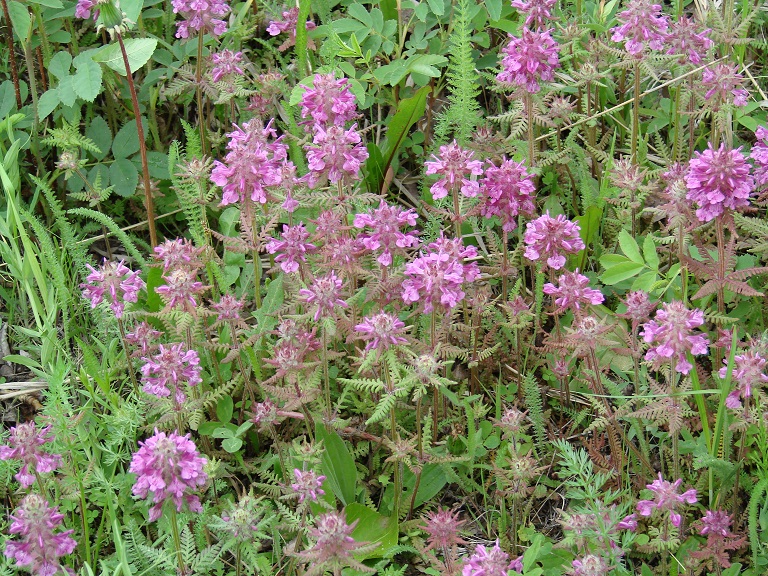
{"x":396,"y":287}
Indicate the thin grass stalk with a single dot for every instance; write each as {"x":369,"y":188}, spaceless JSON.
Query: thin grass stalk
{"x":132,"y":374}
{"x":636,"y":112}
{"x":199,"y":90}
{"x":12,"y":54}
{"x":177,"y":541}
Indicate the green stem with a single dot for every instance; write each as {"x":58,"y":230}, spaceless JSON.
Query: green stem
{"x":135,"y":383}
{"x":198,"y":85}
{"x":177,"y":540}
{"x":636,"y":112}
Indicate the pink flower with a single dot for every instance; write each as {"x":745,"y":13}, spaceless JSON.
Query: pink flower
{"x":252,"y":165}
{"x":529,"y":59}
{"x":487,"y":562}
{"x":335,"y":155}
{"x":590,"y":565}
{"x":685,"y":40}
{"x":142,"y":336}
{"x":552,"y":238}
{"x":748,"y":372}
{"x":170,"y":468}
{"x":439,"y":274}
{"x":385,"y":223}
{"x":328,"y":101}
{"x":716,"y":522}
{"x":538,"y":13}
{"x":718,"y":180}
{"x":381,"y":330}
{"x":84,"y":7}
{"x":264,"y":414}
{"x":169,"y":369}
{"x":180,"y":288}
{"x":455,"y":165}
{"x":226,"y":64}
{"x":201,"y":17}
{"x":324,"y":294}
{"x":672,"y":332}
{"x":724,"y":85}
{"x":666,"y":498}
{"x":40,"y":547}
{"x":115,"y":279}
{"x":642,"y":24}
{"x":508,"y":190}
{"x":24,"y":445}
{"x":293,"y":247}
{"x":178,"y":253}
{"x":288,"y":24}
{"x":573,"y":292}
{"x":628,"y":523}
{"x":228,"y":308}
{"x":639,"y":307}
{"x":760,"y":155}
{"x":308,"y":485}
{"x":443,"y":527}
{"x":334,"y":546}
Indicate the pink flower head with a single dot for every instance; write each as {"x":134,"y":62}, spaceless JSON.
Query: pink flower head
{"x":226,"y":64}
{"x":256,"y":161}
{"x":573,"y":292}
{"x":142,"y":336}
{"x":84,"y":7}
{"x":334,"y":545}
{"x":386,"y":223}
{"x":39,"y":547}
{"x":308,"y":485}
{"x":180,"y":288}
{"x":381,"y":330}
{"x":508,"y":190}
{"x":672,"y":334}
{"x":724,"y":85}
{"x":24,"y":445}
{"x":439,"y":274}
{"x":642,"y":25}
{"x":456,"y":166}
{"x":293,"y":247}
{"x":170,"y":467}
{"x":487,"y":562}
{"x":178,"y":253}
{"x":115,"y":279}
{"x":590,"y":565}
{"x":324,"y":295}
{"x":529,"y":59}
{"x":666,"y":498}
{"x":169,"y":369}
{"x":538,"y":13}
{"x":685,"y":41}
{"x":228,"y":308}
{"x":760,"y":155}
{"x":443,"y":528}
{"x":748,"y":372}
{"x":201,"y":17}
{"x":628,"y":523}
{"x":328,"y":101}
{"x":718,"y":180}
{"x":716,"y":522}
{"x":639,"y":306}
{"x":264,"y":414}
{"x":288,"y":24}
{"x":335,"y":155}
{"x":552,"y":238}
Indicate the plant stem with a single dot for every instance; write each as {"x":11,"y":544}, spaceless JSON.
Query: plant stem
{"x":121,"y":327}
{"x":177,"y":541}
{"x":326,"y":376}
{"x":531,"y":140}
{"x":142,"y":147}
{"x":12,"y":54}
{"x":199,"y":89}
{"x":636,"y":112}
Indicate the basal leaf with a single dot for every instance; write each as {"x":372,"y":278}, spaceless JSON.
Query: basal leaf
{"x":87,"y":79}
{"x":124,"y":176}
{"x":338,"y":465}
{"x":139,"y":51}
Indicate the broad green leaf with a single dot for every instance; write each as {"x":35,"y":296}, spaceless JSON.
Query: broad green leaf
{"x":60,"y":64}
{"x":265,"y":316}
{"x":154,"y":279}
{"x":98,"y":131}
{"x":158,"y":165}
{"x":224,"y":432}
{"x":47,"y":103}
{"x":228,"y":220}
{"x":338,"y":465}
{"x":619,"y":272}
{"x":139,"y":51}
{"x":20,"y":19}
{"x":7,"y":98}
{"x":372,"y":528}
{"x":48,"y":3}
{"x":433,"y":479}
{"x":649,"y":253}
{"x":126,"y":142}
{"x":391,"y":74}
{"x":494,"y":9}
{"x":208,"y":428}
{"x":224,"y":409}
{"x":124,"y":176}
{"x":132,"y":9}
{"x":359,"y":12}
{"x":437,"y":7}
{"x":629,"y":247}
{"x":389,"y":9}
{"x":66,"y":91}
{"x":232,"y":445}
{"x":425,"y":64}
{"x":87,"y":79}
{"x":645,"y":281}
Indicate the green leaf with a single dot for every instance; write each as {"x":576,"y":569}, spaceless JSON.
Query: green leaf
{"x":7,"y":98}
{"x":433,"y":479}
{"x":425,"y":64}
{"x":66,"y":91}
{"x":391,"y":74}
{"x":20,"y":19}
{"x":208,"y":428}
{"x":139,"y":51}
{"x":437,"y":7}
{"x":232,"y":445}
{"x":158,"y":165}
{"x":225,"y":408}
{"x":60,"y":64}
{"x":389,"y":9}
{"x":87,"y":78}
{"x":359,"y":12}
{"x":126,"y":142}
{"x":154,"y":279}
{"x":649,"y":253}
{"x":619,"y":272}
{"x":645,"y":281}
{"x":629,"y":247}
{"x":48,"y":3}
{"x":132,"y":9}
{"x":265,"y":316}
{"x":226,"y":431}
{"x":372,"y":528}
{"x":494,"y":9}
{"x":98,"y":131}
{"x":47,"y":103}
{"x":338,"y":465}
{"x":124,"y":176}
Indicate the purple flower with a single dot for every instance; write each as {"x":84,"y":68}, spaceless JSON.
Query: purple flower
{"x":628,"y":523}
{"x":529,"y":59}
{"x":24,"y":445}
{"x":443,"y":529}
{"x":439,"y":274}
{"x":84,"y":7}
{"x":180,"y":288}
{"x":324,"y":294}
{"x":552,"y":238}
{"x":288,"y":24}
{"x":724,"y":85}
{"x":228,"y":308}
{"x":666,"y":498}
{"x":455,"y":165}
{"x":293,"y":247}
{"x":718,"y":180}
{"x":685,"y":40}
{"x":538,"y":13}
{"x":328,"y":101}
{"x":385,"y":223}
{"x":170,"y":468}
{"x":487,"y":562}
{"x":672,"y":334}
{"x":39,"y":547}
{"x":201,"y":16}
{"x":226,"y":64}
{"x":169,"y":369}
{"x":308,"y":485}
{"x":334,"y":546}
{"x":142,"y":337}
{"x":508,"y":190}
{"x":760,"y":155}
{"x":590,"y":565}
{"x":573,"y":292}
{"x":642,"y":24}
{"x":335,"y":155}
{"x":639,"y":306}
{"x":252,"y":164}
{"x":381,"y":331}
{"x":117,"y":280}
{"x":716,"y":522}
{"x":178,"y":253}
{"x":748,"y":372}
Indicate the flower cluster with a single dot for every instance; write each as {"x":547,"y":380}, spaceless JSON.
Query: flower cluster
{"x":115,"y":279}
{"x":169,"y":467}
{"x":381,"y":330}
{"x":169,"y":369}
{"x":760,"y":156}
{"x":292,"y":248}
{"x":508,"y":191}
{"x":552,"y":238}
{"x":328,"y":101}
{"x":201,"y":16}
{"x":455,"y":166}
{"x":666,"y":499}
{"x":490,"y":562}
{"x":672,"y":335}
{"x":685,"y":41}
{"x":324,"y":295}
{"x":24,"y":445}
{"x":538,"y":13}
{"x":442,"y":527}
{"x":334,"y":546}
{"x":308,"y":485}
{"x":748,"y":372}
{"x":288,"y":24}
{"x":573,"y":292}
{"x":386,"y":236}
{"x":529,"y":59}
{"x":225,"y":63}
{"x":642,"y":25}
{"x":335,"y":155}
{"x":724,"y":85}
